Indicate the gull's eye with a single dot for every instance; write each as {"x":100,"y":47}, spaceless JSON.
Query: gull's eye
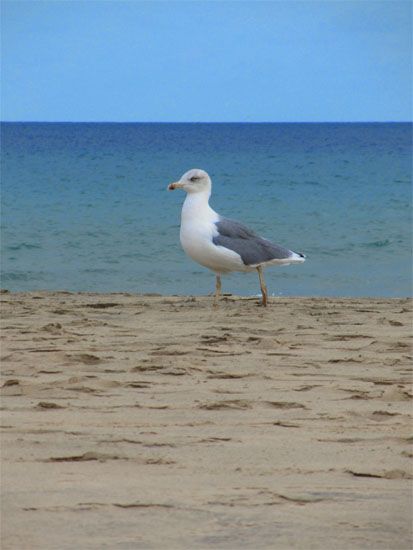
{"x":194,"y":178}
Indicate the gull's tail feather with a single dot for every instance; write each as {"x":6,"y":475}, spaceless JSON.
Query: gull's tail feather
{"x":297,"y":257}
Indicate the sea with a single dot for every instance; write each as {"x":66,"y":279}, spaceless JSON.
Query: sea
{"x":85,"y":206}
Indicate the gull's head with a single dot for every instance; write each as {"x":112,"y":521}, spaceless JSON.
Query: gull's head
{"x":193,"y":181}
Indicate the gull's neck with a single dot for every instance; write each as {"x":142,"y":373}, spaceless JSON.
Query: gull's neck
{"x":196,"y":205}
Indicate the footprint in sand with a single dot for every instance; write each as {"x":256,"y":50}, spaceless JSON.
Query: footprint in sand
{"x":85,"y":358}
{"x":53,"y":328}
{"x":230,"y":404}
{"x":391,"y":474}
{"x":44,"y":405}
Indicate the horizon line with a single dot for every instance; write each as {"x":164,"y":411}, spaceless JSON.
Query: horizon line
{"x":205,"y":122}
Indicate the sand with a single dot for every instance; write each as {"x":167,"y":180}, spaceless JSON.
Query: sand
{"x":159,"y":422}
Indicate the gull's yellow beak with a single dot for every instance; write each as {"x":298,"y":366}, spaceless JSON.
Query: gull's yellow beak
{"x":175,"y":185}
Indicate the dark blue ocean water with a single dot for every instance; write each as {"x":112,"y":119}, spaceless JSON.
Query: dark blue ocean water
{"x":85,"y":206}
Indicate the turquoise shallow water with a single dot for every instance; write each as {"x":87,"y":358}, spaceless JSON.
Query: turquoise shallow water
{"x":85,"y":206}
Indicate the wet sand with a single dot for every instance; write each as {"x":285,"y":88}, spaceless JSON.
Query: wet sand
{"x":159,"y":422}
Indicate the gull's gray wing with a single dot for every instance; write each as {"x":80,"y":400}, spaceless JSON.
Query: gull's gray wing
{"x":252,"y":248}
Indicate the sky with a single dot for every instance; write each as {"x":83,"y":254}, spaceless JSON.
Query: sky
{"x":206,"y":61}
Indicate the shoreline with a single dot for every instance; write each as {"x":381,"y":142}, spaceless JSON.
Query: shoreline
{"x":169,"y":423}
{"x":230,"y":295}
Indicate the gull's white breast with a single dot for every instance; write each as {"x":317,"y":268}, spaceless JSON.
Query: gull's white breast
{"x":197,"y":231}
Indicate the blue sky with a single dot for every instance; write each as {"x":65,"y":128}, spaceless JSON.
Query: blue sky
{"x":206,"y":61}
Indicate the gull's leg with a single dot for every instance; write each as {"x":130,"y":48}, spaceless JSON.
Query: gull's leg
{"x":217,"y":289}
{"x":262,"y":285}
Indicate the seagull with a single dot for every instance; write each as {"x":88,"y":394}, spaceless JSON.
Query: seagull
{"x":221,"y":244}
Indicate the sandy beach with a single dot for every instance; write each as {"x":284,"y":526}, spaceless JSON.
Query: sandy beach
{"x":138,"y":421}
